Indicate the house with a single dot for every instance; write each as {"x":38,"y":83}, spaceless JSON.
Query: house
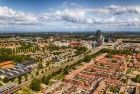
{"x":14,"y":72}
{"x":31,"y":64}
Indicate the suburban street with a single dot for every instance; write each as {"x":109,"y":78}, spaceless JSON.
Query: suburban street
{"x":49,"y":71}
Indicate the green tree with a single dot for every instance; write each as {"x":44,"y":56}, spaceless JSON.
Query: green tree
{"x":48,"y":63}
{"x":124,"y":81}
{"x":137,"y":79}
{"x":35,"y":84}
{"x":19,"y":80}
{"x":12,"y":79}
{"x":80,"y":50}
{"x":43,"y":79}
{"x":26,"y":77}
{"x":129,"y":71}
{"x":109,"y":56}
{"x":40,"y":65}
{"x":66,"y":70}
{"x":1,"y":84}
{"x":5,"y":80}
{"x":87,"y":58}
{"x":37,"y":73}
{"x":114,"y":61}
{"x":113,"y":89}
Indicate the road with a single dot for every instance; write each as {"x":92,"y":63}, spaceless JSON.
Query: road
{"x":51,"y":70}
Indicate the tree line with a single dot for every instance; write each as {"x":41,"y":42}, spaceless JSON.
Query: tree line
{"x":6,"y":54}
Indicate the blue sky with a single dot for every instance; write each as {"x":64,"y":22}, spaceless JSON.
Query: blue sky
{"x":69,"y":15}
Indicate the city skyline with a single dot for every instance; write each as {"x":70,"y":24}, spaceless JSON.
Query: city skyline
{"x":69,"y":15}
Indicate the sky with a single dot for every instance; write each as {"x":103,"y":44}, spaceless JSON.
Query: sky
{"x":69,"y":15}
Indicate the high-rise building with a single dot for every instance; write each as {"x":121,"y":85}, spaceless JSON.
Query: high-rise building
{"x":99,"y":38}
{"x":98,"y":34}
{"x":110,"y":38}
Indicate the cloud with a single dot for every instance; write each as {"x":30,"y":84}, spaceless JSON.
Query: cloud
{"x":11,"y":17}
{"x":67,"y":15}
{"x":117,"y":10}
{"x":75,"y":17}
{"x":108,"y":16}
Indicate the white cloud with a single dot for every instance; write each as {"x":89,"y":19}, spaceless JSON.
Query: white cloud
{"x":115,"y":15}
{"x":77,"y":17}
{"x":11,"y":17}
{"x":117,"y":10}
{"x":68,"y":15}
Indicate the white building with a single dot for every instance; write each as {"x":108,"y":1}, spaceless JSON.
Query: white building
{"x":60,"y":44}
{"x":88,"y":44}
